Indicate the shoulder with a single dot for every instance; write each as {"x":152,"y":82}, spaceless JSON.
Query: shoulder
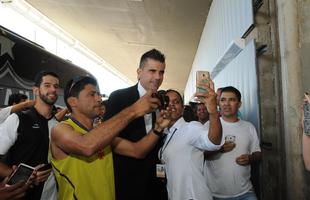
{"x":193,"y":126}
{"x":247,"y":124}
{"x":61,"y":128}
{"x":11,"y":120}
{"x":124,"y":91}
{"x":250,"y":127}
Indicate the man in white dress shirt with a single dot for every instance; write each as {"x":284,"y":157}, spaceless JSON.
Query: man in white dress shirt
{"x":182,"y":151}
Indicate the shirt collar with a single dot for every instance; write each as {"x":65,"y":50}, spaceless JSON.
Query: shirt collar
{"x":141,"y":89}
{"x":175,"y":126}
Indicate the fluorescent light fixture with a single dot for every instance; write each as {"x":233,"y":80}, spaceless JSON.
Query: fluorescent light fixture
{"x":234,"y":48}
{"x":99,"y":66}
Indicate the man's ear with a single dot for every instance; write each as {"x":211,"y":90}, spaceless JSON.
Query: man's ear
{"x":240,"y":103}
{"x":72,"y":101}
{"x":139,"y":72}
{"x":35,"y":90}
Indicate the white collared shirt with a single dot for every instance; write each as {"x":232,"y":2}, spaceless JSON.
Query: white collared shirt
{"x":183,"y":158}
{"x":147,"y":117}
{"x":5,"y":113}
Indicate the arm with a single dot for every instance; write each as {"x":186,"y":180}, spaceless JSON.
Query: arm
{"x":65,"y":138}
{"x":209,"y":99}
{"x":227,"y":147}
{"x":306,"y":150}
{"x":21,"y":106}
{"x":60,"y":115}
{"x":140,"y":148}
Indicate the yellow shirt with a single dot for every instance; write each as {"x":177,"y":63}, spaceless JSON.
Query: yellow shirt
{"x":80,"y":177}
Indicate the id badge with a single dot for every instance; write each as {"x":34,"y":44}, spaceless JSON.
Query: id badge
{"x":160,"y":171}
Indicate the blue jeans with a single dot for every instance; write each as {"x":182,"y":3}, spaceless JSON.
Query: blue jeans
{"x":250,"y":195}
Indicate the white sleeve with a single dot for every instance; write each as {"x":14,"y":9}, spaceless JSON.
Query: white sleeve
{"x":8,"y":133}
{"x":200,"y":138}
{"x":5,"y":113}
{"x":254,"y":146}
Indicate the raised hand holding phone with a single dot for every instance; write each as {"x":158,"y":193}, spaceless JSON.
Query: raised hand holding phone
{"x":209,"y":97}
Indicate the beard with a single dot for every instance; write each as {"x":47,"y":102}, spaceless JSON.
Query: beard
{"x":45,"y":99}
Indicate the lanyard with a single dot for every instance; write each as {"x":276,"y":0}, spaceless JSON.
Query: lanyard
{"x":165,"y":145}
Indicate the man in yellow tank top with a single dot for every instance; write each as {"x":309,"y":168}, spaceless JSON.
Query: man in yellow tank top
{"x":82,"y":155}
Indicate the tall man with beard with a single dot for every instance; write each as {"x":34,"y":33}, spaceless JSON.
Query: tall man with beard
{"x":136,"y":178}
{"x":24,"y":136}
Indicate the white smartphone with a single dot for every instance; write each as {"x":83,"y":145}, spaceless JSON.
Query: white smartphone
{"x":22,"y":173}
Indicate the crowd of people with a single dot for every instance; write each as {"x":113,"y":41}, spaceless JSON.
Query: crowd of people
{"x":126,"y":148}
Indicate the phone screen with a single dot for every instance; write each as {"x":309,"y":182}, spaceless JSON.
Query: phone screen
{"x":22,"y":173}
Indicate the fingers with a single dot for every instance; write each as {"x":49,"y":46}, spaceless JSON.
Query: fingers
{"x":228,"y":146}
{"x":43,"y":175}
{"x":243,"y":159}
{"x":307,"y":97}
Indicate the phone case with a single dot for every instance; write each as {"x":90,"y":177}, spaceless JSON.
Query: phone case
{"x":307,"y":118}
{"x":202,"y":77}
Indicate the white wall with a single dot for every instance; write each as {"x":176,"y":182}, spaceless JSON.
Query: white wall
{"x":241,"y":73}
{"x":226,"y":21}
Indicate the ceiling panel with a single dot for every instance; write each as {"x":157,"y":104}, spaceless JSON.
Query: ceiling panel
{"x":120,"y":31}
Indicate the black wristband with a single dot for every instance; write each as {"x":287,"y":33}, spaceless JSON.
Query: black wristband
{"x":158,"y":133}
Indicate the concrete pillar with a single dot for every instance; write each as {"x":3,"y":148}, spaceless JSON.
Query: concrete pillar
{"x":273,"y":179}
{"x":291,"y":76}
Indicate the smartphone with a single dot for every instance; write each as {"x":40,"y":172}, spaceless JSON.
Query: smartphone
{"x":202,"y":77}
{"x":230,"y":138}
{"x":306,"y":108}
{"x":22,"y":173}
{"x":45,"y":167}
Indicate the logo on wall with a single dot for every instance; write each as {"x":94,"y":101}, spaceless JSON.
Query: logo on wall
{"x":10,"y":82}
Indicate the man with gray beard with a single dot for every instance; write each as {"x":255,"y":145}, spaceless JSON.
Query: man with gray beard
{"x":24,"y":136}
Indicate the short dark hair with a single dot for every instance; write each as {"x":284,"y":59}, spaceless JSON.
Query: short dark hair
{"x":152,"y":54}
{"x":180,"y":96}
{"x":75,"y":86}
{"x":39,"y":76}
{"x":16,"y":98}
{"x":233,"y":90}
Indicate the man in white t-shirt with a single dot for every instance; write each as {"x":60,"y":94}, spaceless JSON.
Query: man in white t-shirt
{"x":228,"y":171}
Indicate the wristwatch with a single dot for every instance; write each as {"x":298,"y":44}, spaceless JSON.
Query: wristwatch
{"x":158,"y":133}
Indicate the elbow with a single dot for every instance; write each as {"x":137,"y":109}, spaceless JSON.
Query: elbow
{"x":138,"y":155}
{"x":88,"y":151}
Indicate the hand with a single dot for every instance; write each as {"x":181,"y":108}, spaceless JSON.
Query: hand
{"x":163,"y":119}
{"x":41,"y":176}
{"x":15,"y":191}
{"x":145,"y":104}
{"x":28,"y":103}
{"x":244,"y":159}
{"x":228,"y":146}
{"x":208,"y":98}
